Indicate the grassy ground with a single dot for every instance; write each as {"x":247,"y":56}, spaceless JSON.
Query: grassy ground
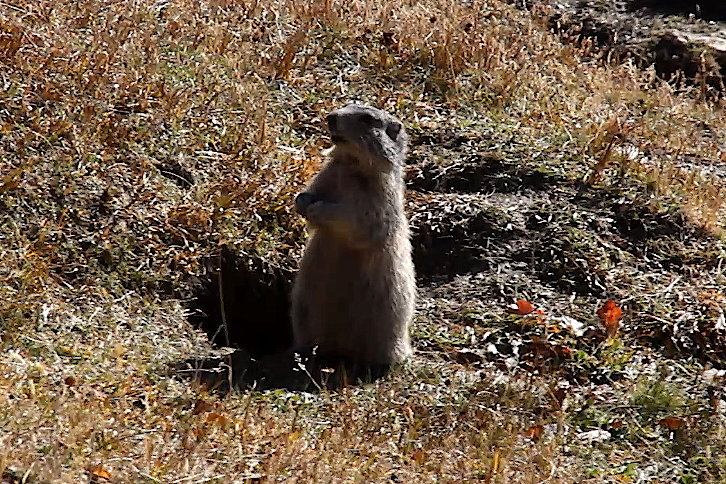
{"x":138,"y":137}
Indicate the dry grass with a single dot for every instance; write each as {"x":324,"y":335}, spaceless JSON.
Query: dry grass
{"x":138,"y":136}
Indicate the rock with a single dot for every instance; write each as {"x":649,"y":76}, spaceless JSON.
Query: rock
{"x":673,"y":36}
{"x":592,"y":436}
{"x":715,"y":42}
{"x":697,"y":55}
{"x":705,"y":9}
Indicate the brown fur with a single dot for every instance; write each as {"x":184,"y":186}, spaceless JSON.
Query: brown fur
{"x":355,"y":292}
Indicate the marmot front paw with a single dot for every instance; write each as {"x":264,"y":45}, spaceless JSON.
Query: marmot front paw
{"x":303,"y":201}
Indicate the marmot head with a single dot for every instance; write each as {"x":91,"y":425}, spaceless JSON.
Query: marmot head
{"x":369,"y":134}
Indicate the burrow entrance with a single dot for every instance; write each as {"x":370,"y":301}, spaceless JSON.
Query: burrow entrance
{"x":251,"y":296}
{"x":243,"y":302}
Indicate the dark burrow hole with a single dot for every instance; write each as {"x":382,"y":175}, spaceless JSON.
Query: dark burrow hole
{"x":255,"y":297}
{"x":600,"y":32}
{"x":479,"y":174}
{"x":666,"y":52}
{"x":563,"y":267}
{"x":456,"y":249}
{"x":256,"y":300}
{"x":638,"y":224}
{"x":671,"y":237}
{"x":174,"y":171}
{"x":704,"y":9}
{"x":703,"y":343}
{"x":437,"y":257}
{"x":673,"y":56}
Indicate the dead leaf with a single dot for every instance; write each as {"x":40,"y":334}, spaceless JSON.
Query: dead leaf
{"x":119,"y":350}
{"x":572,"y":325}
{"x":418,"y":456}
{"x":99,"y":471}
{"x":558,"y":398}
{"x":520,"y":308}
{"x":220,"y":419}
{"x":671,"y":423}
{"x":597,"y":435}
{"x":610,"y":315}
{"x":535,"y":432}
{"x":200,"y":406}
{"x":388,"y":38}
{"x":711,"y":295}
{"x":466,"y":356}
{"x":497,"y":463}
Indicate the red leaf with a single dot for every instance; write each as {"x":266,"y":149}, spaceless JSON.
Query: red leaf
{"x":522,"y":308}
{"x":610,"y":315}
{"x":671,"y":423}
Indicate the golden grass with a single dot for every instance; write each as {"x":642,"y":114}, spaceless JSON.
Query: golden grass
{"x":101,"y":100}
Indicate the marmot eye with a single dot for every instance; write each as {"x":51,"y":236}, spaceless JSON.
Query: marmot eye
{"x":393,"y":129}
{"x":366,"y":118}
{"x":371,"y":120}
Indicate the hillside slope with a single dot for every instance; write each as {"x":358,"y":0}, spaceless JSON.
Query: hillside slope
{"x":137,"y":139}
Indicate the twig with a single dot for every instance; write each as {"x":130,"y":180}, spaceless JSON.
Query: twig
{"x":222,"y":314}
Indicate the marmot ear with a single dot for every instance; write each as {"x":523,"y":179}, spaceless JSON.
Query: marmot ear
{"x":392,"y":130}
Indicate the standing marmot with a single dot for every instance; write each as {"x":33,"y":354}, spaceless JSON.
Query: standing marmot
{"x":355,"y":292}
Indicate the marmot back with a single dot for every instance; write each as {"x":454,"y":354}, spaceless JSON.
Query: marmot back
{"x":354,"y":294}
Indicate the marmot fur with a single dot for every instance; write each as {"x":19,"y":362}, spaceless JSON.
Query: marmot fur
{"x":354,"y":294}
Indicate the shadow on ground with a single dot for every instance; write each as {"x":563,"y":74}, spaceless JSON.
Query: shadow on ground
{"x":289,"y":370}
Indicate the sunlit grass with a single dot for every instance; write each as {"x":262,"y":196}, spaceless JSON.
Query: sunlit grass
{"x":137,"y":137}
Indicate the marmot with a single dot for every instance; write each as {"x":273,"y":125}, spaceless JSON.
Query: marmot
{"x":354,"y":294}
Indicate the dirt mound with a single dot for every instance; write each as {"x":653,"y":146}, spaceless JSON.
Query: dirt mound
{"x":682,"y":40}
